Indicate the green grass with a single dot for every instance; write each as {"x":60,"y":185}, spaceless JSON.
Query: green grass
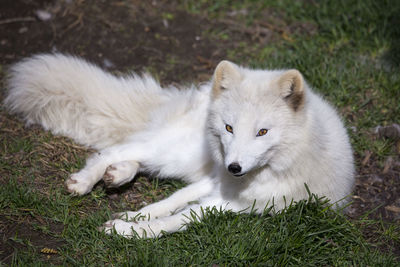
{"x":351,"y":57}
{"x":306,"y":232}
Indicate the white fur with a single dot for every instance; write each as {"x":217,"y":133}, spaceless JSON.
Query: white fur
{"x":137,"y":125}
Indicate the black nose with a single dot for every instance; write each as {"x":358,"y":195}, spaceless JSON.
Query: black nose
{"x":234,"y":168}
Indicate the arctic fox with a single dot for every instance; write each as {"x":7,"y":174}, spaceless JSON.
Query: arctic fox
{"x":248,"y":138}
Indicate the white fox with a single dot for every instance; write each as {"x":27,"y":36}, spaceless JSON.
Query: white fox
{"x":248,"y":137}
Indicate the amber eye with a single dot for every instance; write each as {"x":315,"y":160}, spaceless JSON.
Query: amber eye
{"x":262,"y":132}
{"x":229,"y":128}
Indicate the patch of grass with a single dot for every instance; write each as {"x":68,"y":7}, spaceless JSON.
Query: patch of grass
{"x":307,"y":232}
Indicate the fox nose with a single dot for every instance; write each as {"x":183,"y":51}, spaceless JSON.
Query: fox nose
{"x":234,"y":168}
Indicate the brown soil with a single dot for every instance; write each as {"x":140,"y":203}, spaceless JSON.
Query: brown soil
{"x":117,"y":35}
{"x":154,"y":36}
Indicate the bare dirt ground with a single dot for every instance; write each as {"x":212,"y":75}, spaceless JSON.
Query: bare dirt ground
{"x":116,"y":35}
{"x":154,"y":36}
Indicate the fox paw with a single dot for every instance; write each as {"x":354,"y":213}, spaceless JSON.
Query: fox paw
{"x":127,"y":229}
{"x":78,"y":184}
{"x":120,"y":173}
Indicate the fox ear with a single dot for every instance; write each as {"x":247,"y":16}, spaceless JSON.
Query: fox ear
{"x":226,"y":73}
{"x":291,"y":85}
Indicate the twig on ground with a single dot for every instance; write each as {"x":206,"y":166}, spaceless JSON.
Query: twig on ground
{"x":14,"y":20}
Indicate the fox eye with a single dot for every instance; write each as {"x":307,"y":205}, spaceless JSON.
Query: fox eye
{"x":229,"y":128}
{"x":262,"y":132}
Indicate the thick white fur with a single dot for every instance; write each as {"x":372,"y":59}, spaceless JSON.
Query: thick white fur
{"x":137,"y":125}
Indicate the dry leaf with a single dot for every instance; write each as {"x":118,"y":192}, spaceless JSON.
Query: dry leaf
{"x":393,"y":209}
{"x":48,"y":251}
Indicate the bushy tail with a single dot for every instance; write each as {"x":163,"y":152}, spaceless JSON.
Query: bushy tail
{"x":71,"y":97}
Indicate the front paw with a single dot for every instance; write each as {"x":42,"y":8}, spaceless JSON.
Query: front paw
{"x":120,"y":173}
{"x":127,"y":229}
{"x":78,"y":184}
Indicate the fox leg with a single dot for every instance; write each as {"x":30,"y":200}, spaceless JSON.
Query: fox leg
{"x":157,"y":152}
{"x":175,"y":202}
{"x":172,"y":223}
{"x":152,"y":228}
{"x":117,"y":164}
{"x":120,"y":173}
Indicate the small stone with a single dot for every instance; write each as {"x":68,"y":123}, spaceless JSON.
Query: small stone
{"x":43,"y":15}
{"x":392,"y":131}
{"x":165,"y":22}
{"x":113,"y":196}
{"x":23,"y":30}
{"x":108,"y":64}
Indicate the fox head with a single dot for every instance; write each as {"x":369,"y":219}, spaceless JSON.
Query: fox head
{"x":256,"y":118}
